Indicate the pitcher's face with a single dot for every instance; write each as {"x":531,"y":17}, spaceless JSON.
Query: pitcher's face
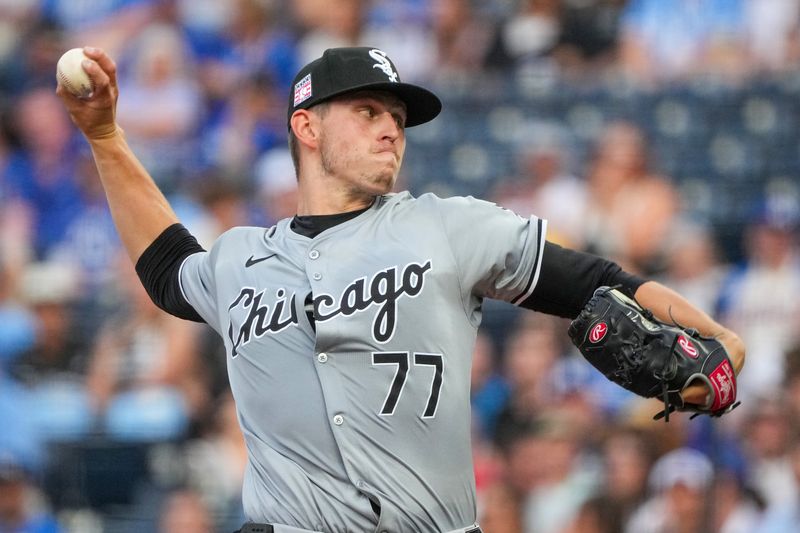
{"x":363,"y":140}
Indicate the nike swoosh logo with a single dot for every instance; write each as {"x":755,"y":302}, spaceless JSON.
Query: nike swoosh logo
{"x":253,"y":261}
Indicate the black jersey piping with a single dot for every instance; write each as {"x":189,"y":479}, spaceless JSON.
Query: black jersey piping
{"x":541,"y":226}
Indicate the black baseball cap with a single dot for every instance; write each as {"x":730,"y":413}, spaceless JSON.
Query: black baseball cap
{"x":344,"y":70}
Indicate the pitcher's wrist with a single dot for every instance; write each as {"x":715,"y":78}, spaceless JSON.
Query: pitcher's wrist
{"x":105,"y":133}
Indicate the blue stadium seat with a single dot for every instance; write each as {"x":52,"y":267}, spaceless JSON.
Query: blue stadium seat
{"x":61,"y":410}
{"x":147,"y":415}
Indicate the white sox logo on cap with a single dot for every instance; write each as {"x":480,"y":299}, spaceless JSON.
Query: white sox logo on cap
{"x":383,"y":64}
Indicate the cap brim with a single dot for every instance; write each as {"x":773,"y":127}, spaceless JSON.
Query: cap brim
{"x":421,"y":104}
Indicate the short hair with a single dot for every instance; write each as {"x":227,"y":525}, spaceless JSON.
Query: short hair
{"x":320,"y":109}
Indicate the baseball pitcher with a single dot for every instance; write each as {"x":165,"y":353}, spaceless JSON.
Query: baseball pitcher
{"x":349,"y":328}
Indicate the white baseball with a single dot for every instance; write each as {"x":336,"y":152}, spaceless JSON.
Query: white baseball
{"x":71,"y":75}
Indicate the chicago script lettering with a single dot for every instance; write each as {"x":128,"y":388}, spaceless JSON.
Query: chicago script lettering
{"x":259,"y":317}
{"x":383,"y":290}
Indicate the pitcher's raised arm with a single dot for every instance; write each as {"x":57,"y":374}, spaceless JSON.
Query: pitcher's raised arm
{"x":140,"y":211}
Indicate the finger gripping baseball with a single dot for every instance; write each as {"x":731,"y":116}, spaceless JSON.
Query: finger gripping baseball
{"x":652,"y":359}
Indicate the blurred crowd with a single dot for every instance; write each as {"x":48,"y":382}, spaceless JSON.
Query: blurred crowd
{"x":117,"y":417}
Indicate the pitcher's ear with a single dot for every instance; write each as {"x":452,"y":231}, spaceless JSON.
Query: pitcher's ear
{"x":305,"y":125}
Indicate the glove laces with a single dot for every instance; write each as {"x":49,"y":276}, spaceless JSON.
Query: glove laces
{"x":668,"y":407}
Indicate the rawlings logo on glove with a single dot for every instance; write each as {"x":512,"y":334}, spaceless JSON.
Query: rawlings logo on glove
{"x":652,"y":359}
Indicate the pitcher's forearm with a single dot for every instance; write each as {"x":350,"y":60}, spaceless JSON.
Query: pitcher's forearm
{"x":139,"y":209}
{"x":668,"y":306}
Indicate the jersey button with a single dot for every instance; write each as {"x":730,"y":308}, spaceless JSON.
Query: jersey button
{"x":313,"y":254}
{"x":338,"y":420}
{"x":317,"y":276}
{"x":322,"y":358}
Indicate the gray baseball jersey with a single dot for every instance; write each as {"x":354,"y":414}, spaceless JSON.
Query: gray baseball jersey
{"x":371,"y":400}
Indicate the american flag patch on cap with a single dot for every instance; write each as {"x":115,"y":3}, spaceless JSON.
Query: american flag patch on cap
{"x":302,"y":90}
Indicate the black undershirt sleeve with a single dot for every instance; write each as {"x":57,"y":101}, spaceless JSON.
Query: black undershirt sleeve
{"x":568,"y":278}
{"x":159,"y":268}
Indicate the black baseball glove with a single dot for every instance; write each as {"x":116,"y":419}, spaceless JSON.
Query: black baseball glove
{"x":650,"y":358}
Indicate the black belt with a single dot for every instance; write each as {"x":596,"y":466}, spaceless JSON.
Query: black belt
{"x":256,"y":528}
{"x":267,"y":528}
